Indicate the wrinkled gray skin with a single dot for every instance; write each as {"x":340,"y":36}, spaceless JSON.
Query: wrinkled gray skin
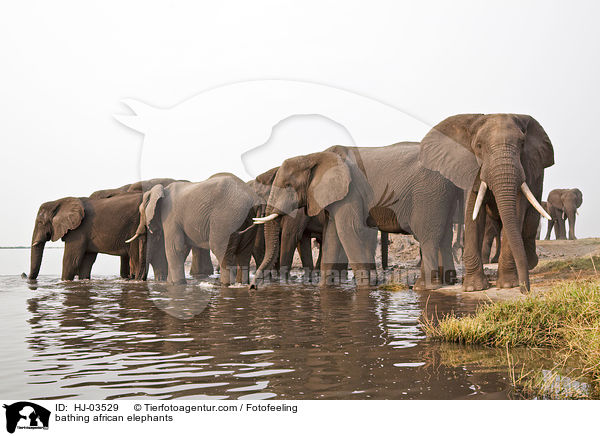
{"x":364,"y":189}
{"x":88,"y":227}
{"x":563,"y":205}
{"x":296,"y":231}
{"x":201,"y":261}
{"x":184,"y":215}
{"x":503,"y":150}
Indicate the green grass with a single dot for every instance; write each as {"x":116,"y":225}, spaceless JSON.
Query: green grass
{"x":580,"y":264}
{"x":566,"y":318}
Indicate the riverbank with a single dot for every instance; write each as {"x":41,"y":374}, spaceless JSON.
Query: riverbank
{"x":566,"y":319}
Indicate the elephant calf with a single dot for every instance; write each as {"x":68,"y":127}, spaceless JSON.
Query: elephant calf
{"x":208,"y":215}
{"x":88,"y":227}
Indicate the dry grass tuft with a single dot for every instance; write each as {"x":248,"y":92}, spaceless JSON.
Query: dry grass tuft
{"x":567,"y":319}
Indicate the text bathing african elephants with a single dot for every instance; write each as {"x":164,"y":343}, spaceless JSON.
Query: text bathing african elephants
{"x":500,"y":159}
{"x":364,"y":189}
{"x":563,"y":205}
{"x":88,"y":227}
{"x":214,"y":215}
{"x":201,"y":261}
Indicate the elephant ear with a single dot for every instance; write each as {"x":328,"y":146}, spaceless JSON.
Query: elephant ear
{"x":447,"y":149}
{"x":67,"y":216}
{"x":579,"y":195}
{"x":329,"y":182}
{"x":150,"y":201}
{"x":537,"y":148}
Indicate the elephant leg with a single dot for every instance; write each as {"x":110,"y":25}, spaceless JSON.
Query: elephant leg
{"x":359,"y":243}
{"x":498,"y":240}
{"x":385,"y":242}
{"x":177,"y":252}
{"x":243,"y":271}
{"x":549,"y":231}
{"x":430,"y":278}
{"x":530,"y":225}
{"x":85,"y":270}
{"x":488,"y":240}
{"x":560,"y":230}
{"x":474,"y":279}
{"x":243,"y":256}
{"x":227,"y":269}
{"x":124,"y":272}
{"x":334,"y":263}
{"x":286,"y":251}
{"x":201,"y":262}
{"x":72,"y":258}
{"x":319,"y":258}
{"x":447,"y":266}
{"x":305,"y":251}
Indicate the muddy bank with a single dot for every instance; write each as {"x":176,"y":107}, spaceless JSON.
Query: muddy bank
{"x":404,"y":254}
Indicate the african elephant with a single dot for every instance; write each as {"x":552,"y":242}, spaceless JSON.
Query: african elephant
{"x":208,"y":215}
{"x":562,"y":205}
{"x":201,"y":261}
{"x":88,"y":227}
{"x":506,"y":153}
{"x":364,"y":189}
{"x":295,"y":233}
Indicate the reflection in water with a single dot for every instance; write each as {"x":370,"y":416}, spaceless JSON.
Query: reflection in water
{"x":109,"y":338}
{"x":117,"y":339}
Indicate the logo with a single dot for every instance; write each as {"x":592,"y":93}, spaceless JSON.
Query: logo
{"x":26,"y":415}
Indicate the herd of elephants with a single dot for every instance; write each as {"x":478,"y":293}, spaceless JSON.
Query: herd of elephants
{"x":473,"y":178}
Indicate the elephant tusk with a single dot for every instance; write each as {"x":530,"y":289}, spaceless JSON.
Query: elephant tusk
{"x":576,"y":212}
{"x":265,"y":219}
{"x":564,"y":215}
{"x":534,"y":201}
{"x":132,"y":238}
{"x":479,"y":199}
{"x":36,"y":244}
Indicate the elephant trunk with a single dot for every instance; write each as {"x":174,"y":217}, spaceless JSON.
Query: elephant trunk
{"x":505,"y":182}
{"x":271,"y":232}
{"x":37,"y":251}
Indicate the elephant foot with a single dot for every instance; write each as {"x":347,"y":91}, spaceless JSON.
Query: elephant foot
{"x":507,"y":279}
{"x":420,"y":285}
{"x":475,"y":282}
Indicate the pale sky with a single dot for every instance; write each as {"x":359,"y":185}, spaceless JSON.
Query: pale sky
{"x":66,"y":65}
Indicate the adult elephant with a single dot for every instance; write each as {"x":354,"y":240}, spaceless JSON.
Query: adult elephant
{"x":208,"y":215}
{"x":88,"y":227}
{"x":201,"y":261}
{"x":296,"y":231}
{"x":563,"y":205}
{"x":363,"y":189}
{"x":500,"y":159}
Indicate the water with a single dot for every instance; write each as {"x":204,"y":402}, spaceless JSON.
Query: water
{"x":109,"y":338}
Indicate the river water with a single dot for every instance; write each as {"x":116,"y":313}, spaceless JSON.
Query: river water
{"x":109,"y":338}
